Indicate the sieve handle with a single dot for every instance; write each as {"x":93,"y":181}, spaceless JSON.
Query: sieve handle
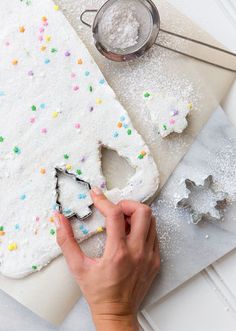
{"x":84,"y":13}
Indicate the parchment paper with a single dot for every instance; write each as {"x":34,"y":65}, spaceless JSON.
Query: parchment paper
{"x":52,"y":292}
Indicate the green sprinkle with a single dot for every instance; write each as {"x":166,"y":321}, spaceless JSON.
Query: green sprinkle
{"x":66,"y":156}
{"x":147,"y":95}
{"x":1,"y":139}
{"x":53,"y":50}
{"x":129,"y":131}
{"x":34,"y":267}
{"x":16,"y":150}
{"x":79,"y":172}
{"x":164,"y":127}
{"x":33,"y":108}
{"x":140,"y":156}
{"x":90,"y":88}
{"x":52,"y":232}
{"x":1,"y":228}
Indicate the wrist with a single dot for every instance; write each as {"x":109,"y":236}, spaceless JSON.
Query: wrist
{"x":109,"y":322}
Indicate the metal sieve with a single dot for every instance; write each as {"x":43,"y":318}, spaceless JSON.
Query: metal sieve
{"x":148,"y":16}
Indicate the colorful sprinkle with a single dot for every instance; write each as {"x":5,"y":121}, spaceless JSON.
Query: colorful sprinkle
{"x":175,"y":113}
{"x":1,"y":228}
{"x":2,"y":94}
{"x":16,"y":150}
{"x":42,"y":106}
{"x":17,"y":226}
{"x":12,"y":246}
{"x":102,"y":81}
{"x":22,"y":29}
{"x":146,"y":95}
{"x":79,"y":172}
{"x":115,"y":134}
{"x":46,"y":61}
{"x":79,"y":61}
{"x":2,"y":233}
{"x":43,"y":171}
{"x":122,"y":118}
{"x":98,"y":101}
{"x":34,"y":267}
{"x":44,"y":19}
{"x":77,"y":125}
{"x":125,"y":126}
{"x":67,"y":53}
{"x":56,"y":7}
{"x":172,"y":121}
{"x":55,"y":114}
{"x":85,"y":231}
{"x":100,"y":229}
{"x":164,"y":127}
{"x":30,"y":73}
{"x":68,"y":167}
{"x":40,"y":38}
{"x":91,"y":109}
{"x":76,"y":88}
{"x":33,"y":108}
{"x":73,"y":75}
{"x":23,"y":197}
{"x":52,"y":232}
{"x":119,"y":125}
{"x":87,"y":73}
{"x":90,"y":88}
{"x":48,"y":39}
{"x":129,"y":132}
{"x":1,"y":139}
{"x":43,"y":48}
{"x":82,"y":196}
{"x":14,"y":62}
{"x":66,"y":156}
{"x":32,"y":120}
{"x":41,"y":29}
{"x":53,"y":50}
{"x":51,"y":219}
{"x":190,"y":106}
{"x":44,"y":130}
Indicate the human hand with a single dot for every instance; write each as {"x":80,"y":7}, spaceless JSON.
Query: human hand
{"x":115,"y":284}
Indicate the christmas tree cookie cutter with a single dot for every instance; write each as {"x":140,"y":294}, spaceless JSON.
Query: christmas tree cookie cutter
{"x":59,"y":207}
{"x":216,"y":205}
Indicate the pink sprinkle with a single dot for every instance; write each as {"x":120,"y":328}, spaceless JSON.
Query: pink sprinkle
{"x":44,"y":130}
{"x":7,"y":43}
{"x":40,"y":38}
{"x":30,"y":73}
{"x":37,"y":219}
{"x":41,"y":30}
{"x":67,"y":53}
{"x":172,"y":121}
{"x":73,"y":75}
{"x":45,"y":23}
{"x":32,"y":120}
{"x":76,"y":88}
{"x":77,"y":126}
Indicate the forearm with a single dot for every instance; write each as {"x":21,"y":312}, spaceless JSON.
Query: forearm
{"x":116,"y":323}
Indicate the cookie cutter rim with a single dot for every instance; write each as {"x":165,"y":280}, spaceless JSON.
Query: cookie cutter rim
{"x":57,"y":190}
{"x":198,"y":217}
{"x":151,"y":40}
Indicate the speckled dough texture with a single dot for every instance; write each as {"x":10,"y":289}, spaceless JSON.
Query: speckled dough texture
{"x":56,"y":110}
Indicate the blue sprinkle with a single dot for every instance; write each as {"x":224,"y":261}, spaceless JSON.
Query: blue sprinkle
{"x":115,"y":134}
{"x":102,"y":81}
{"x":67,"y":211}
{"x":87,"y":73}
{"x":23,"y":197}
{"x":81,"y":227}
{"x":2,"y":93}
{"x":46,"y":61}
{"x":82,"y":196}
{"x":17,"y":226}
{"x":85,"y":231}
{"x":42,"y":106}
{"x":122,"y":118}
{"x":125,"y":126}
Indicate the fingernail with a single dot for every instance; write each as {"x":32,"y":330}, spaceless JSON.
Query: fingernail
{"x":57,"y":221}
{"x":97,"y":191}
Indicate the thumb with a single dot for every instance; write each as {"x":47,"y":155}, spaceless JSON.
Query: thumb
{"x":68,"y":244}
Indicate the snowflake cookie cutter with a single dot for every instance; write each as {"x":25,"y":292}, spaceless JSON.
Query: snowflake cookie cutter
{"x":215,"y":211}
{"x":59,"y":171}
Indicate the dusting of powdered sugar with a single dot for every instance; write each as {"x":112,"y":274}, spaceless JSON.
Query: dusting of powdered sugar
{"x":119,"y":26}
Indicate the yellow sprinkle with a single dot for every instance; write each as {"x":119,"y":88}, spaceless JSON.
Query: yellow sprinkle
{"x":100,"y":229}
{"x":48,"y":38}
{"x":55,"y":114}
{"x":190,"y":106}
{"x":22,"y":29}
{"x":51,"y":219}
{"x":2,"y":233}
{"x":43,"y":48}
{"x":68,"y":167}
{"x":79,"y":61}
{"x":56,"y":7}
{"x":14,"y":62}
{"x":43,"y":171}
{"x":12,"y":247}
{"x":98,"y":101}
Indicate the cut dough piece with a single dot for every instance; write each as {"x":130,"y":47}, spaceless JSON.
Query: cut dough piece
{"x":57,"y":110}
{"x":168,"y":113}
